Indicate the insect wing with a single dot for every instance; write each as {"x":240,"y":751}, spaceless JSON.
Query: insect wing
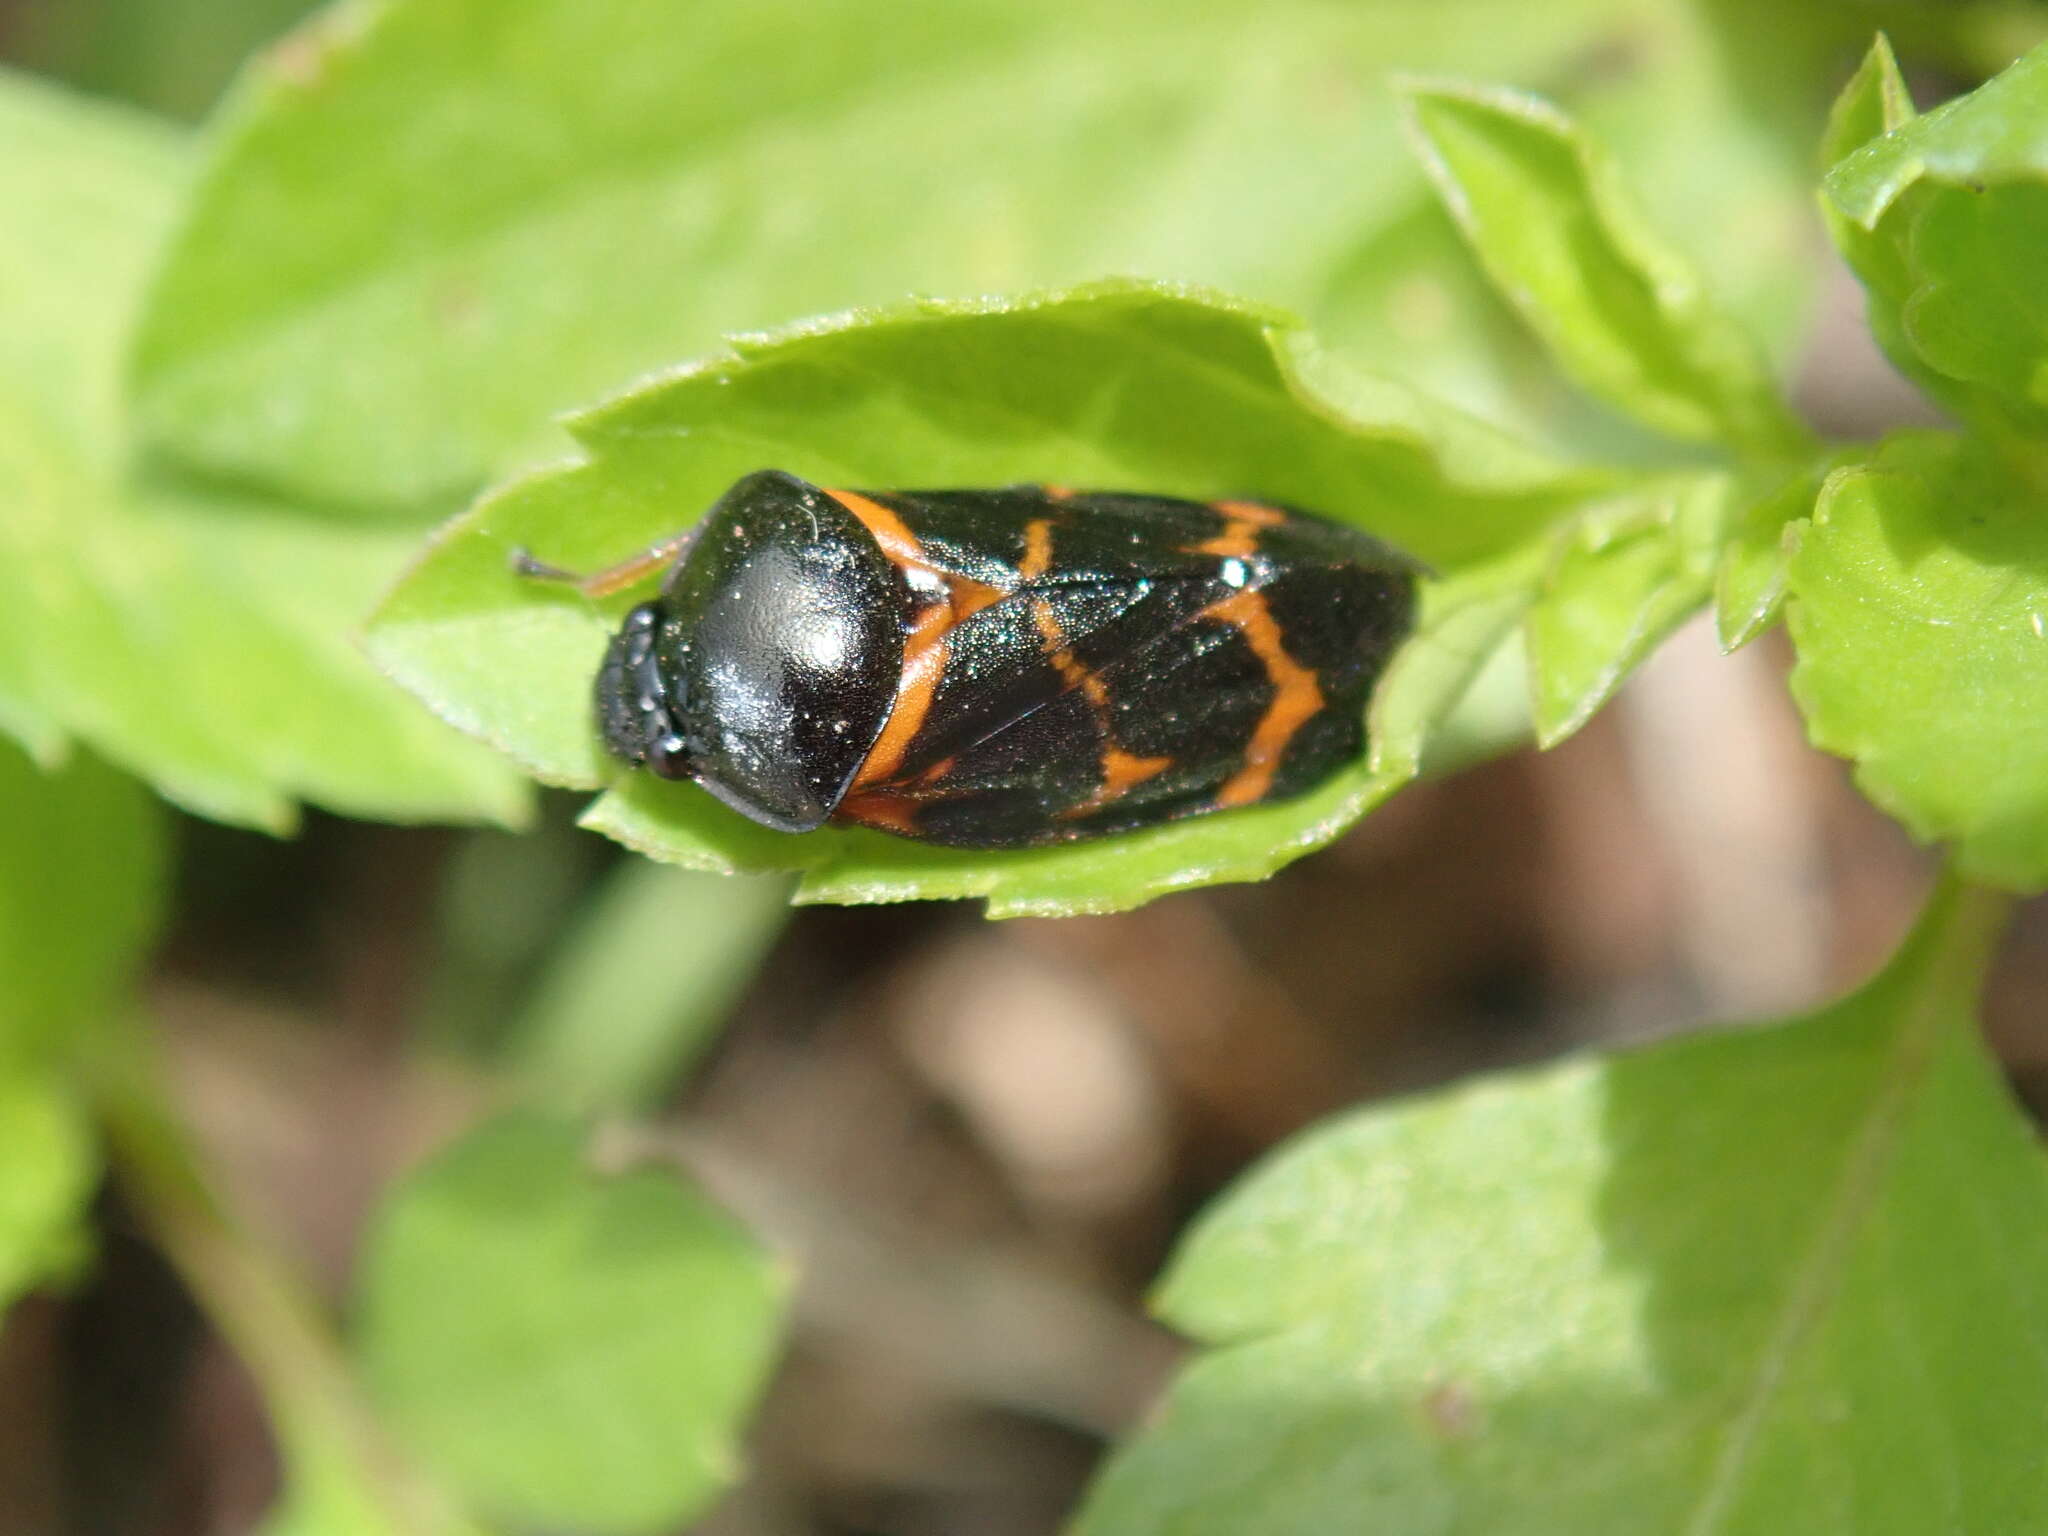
{"x":1145,"y":659}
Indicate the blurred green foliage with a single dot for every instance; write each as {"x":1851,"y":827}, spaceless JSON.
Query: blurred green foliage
{"x":568,"y":1348}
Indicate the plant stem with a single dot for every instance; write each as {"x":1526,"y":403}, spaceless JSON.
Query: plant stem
{"x":266,"y":1313}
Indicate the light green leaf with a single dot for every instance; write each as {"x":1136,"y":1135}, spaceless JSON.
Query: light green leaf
{"x":1121,"y":385}
{"x":327,"y":1492}
{"x":1625,"y":315}
{"x":1790,"y":1281}
{"x":1874,"y":102}
{"x":1459,"y":690}
{"x":1918,"y":603}
{"x":52,"y":1166}
{"x":567,"y":1348}
{"x":641,"y":982}
{"x":1749,"y":583}
{"x":1620,"y":578}
{"x":426,"y":225}
{"x":199,"y":639}
{"x":1943,"y":218}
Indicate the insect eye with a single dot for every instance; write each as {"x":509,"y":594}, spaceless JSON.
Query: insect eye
{"x":667,"y":756}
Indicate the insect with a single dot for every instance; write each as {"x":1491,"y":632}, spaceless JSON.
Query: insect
{"x":997,"y":668}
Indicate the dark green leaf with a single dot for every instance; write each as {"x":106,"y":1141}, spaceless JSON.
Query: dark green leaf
{"x":1780,"y":1281}
{"x":1624,"y":314}
{"x":81,"y":888}
{"x":81,"y":885}
{"x":568,"y":1348}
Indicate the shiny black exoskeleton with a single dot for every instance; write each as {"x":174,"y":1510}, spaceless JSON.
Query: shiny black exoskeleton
{"x":767,"y":665}
{"x":999,"y":668}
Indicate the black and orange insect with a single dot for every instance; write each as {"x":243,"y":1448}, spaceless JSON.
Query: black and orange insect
{"x":997,"y":668}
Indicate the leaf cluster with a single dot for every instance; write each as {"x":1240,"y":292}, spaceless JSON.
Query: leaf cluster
{"x":240,"y":378}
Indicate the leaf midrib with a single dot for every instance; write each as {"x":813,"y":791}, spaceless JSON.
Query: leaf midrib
{"x":1859,"y":1185}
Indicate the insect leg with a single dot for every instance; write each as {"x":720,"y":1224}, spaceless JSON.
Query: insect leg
{"x":613,"y":578}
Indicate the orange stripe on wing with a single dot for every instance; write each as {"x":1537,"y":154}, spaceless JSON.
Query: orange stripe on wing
{"x":1037,"y":551}
{"x":1242,"y":522}
{"x":890,"y":531}
{"x":969,"y":596}
{"x":924,"y":663}
{"x":948,"y":599}
{"x":895,"y":539}
{"x":880,"y":809}
{"x":1297,"y":696}
{"x":1120,"y":769}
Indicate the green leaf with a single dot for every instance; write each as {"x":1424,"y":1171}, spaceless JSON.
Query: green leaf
{"x":1918,"y":603}
{"x":81,"y":891}
{"x":1625,"y":315}
{"x":1873,"y":103}
{"x":82,"y":870}
{"x":1749,"y":583}
{"x":171,"y":56}
{"x":567,"y":1348}
{"x":330,"y":1491}
{"x":425,"y":227}
{"x":1784,"y":1280}
{"x":641,"y":983}
{"x":1620,"y":578}
{"x":1943,"y":218}
{"x":46,"y":1146}
{"x":1120,"y":385}
{"x":197,"y":638}
{"x":1439,"y":707}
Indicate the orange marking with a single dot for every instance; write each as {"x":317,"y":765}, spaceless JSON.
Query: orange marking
{"x":1058,"y":492}
{"x":1037,"y":550}
{"x":925,"y":651}
{"x":969,"y":596}
{"x":1056,"y":643}
{"x":896,"y":539}
{"x":924,"y":663}
{"x":924,"y":648}
{"x":1240,"y":535}
{"x":880,"y":809}
{"x":1257,"y":513}
{"x":1297,"y":696}
{"x":1120,"y":769}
